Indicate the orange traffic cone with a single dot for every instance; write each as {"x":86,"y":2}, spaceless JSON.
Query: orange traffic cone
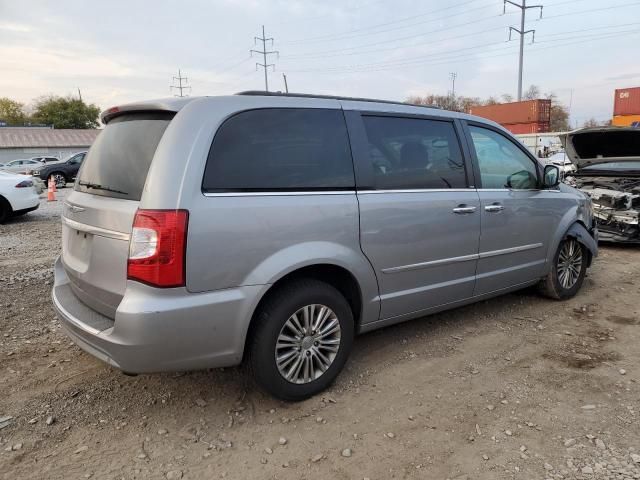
{"x":54,"y":187}
{"x":51,"y":194}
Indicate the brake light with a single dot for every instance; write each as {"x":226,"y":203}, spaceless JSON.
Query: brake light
{"x":25,"y":184}
{"x":158,"y":247}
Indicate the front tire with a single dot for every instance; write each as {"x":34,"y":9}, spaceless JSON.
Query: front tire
{"x":301,"y":340}
{"x":567,"y":272}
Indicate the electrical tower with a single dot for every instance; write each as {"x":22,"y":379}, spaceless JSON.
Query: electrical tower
{"x":522,"y":32}
{"x":182,"y":84}
{"x":264,"y":54}
{"x":453,"y":76}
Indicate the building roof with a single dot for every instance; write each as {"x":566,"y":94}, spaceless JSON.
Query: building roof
{"x":29,"y":137}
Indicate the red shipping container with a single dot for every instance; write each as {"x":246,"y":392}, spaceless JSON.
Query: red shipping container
{"x":530,"y":111}
{"x":534,"y":127}
{"x":627,"y":101}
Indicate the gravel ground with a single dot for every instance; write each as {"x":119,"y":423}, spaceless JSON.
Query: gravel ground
{"x":515,"y":387}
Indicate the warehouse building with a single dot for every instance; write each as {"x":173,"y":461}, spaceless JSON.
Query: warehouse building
{"x":27,"y":142}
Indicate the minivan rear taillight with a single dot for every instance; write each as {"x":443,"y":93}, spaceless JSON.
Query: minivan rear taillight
{"x":25,"y":184}
{"x":158,"y":246}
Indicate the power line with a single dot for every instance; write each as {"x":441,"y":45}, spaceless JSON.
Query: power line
{"x":264,"y":54}
{"x":180,"y":87}
{"x":318,"y":17}
{"x":355,"y":50}
{"x":633,"y":4}
{"x":331,"y":53}
{"x":522,"y":32}
{"x":419,"y":61}
{"x":354,"y":32}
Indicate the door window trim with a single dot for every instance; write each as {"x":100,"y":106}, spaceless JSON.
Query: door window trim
{"x":362,"y":162}
{"x":476,"y":165}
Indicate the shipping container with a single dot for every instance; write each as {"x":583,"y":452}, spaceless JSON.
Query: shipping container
{"x":532,"y":127}
{"x":627,"y":102}
{"x":625,"y":120}
{"x":531,"y":111}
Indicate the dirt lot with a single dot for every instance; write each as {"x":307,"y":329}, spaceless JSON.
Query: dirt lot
{"x":516,"y":387}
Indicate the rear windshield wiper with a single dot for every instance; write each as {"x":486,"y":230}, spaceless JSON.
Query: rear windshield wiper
{"x":101,"y":187}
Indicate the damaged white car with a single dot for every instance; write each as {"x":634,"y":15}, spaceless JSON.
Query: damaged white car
{"x":608,"y":170}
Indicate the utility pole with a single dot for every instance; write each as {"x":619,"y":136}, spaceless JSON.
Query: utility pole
{"x":264,"y":54}
{"x":452,"y":92}
{"x":181,"y":87}
{"x":523,"y":11}
{"x":79,"y":94}
{"x":286,"y":87}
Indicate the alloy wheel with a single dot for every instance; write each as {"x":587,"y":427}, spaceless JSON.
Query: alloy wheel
{"x":59,"y":180}
{"x":308,"y":344}
{"x":569,"y":263}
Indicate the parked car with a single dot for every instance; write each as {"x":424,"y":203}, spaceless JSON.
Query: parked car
{"x":561,"y":160}
{"x":272,"y":228}
{"x":46,"y":159}
{"x":608,"y":161}
{"x":21,"y":166}
{"x":17,"y":195}
{"x":61,"y":172}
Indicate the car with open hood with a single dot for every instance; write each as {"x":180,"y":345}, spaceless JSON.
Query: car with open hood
{"x":608,"y":170}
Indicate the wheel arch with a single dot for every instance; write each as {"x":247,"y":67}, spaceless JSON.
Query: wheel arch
{"x":580,"y":232}
{"x":335,"y":275}
{"x":572,"y":226}
{"x":5,"y":201}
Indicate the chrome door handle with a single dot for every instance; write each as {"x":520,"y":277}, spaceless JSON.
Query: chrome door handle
{"x":464,"y":210}
{"x":493,"y":208}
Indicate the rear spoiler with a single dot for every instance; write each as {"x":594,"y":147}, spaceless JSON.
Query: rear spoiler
{"x":173,"y":105}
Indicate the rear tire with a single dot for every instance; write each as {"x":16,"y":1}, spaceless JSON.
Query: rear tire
{"x":288,"y":357}
{"x":567,"y":272}
{"x":5,"y":210}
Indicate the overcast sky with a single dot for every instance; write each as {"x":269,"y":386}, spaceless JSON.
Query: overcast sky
{"x":119,"y":51}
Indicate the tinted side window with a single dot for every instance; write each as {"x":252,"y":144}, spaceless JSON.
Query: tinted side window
{"x":280,"y":149}
{"x":77,"y":159}
{"x":502,"y":164}
{"x":410,"y":153}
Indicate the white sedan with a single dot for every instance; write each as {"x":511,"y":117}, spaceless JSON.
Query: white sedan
{"x":18,"y":195}
{"x":21,"y":166}
{"x":561,"y":161}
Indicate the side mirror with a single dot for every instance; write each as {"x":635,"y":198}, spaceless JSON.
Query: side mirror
{"x":551,"y":176}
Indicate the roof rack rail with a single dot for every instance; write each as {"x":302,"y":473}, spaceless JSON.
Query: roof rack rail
{"x":330,"y":97}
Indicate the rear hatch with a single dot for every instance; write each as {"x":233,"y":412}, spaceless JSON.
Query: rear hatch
{"x":98,"y":215}
{"x":595,"y":146}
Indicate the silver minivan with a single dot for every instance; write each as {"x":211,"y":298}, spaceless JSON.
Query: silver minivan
{"x":271,"y":228}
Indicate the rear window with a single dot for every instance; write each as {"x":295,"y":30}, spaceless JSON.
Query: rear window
{"x":119,"y":159}
{"x":280,"y":150}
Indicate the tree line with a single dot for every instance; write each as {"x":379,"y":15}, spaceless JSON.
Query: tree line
{"x":71,"y":112}
{"x":60,"y":112}
{"x":559,"y":112}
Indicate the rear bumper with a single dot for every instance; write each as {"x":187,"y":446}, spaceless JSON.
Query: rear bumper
{"x":160,"y":329}
{"x":28,"y":199}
